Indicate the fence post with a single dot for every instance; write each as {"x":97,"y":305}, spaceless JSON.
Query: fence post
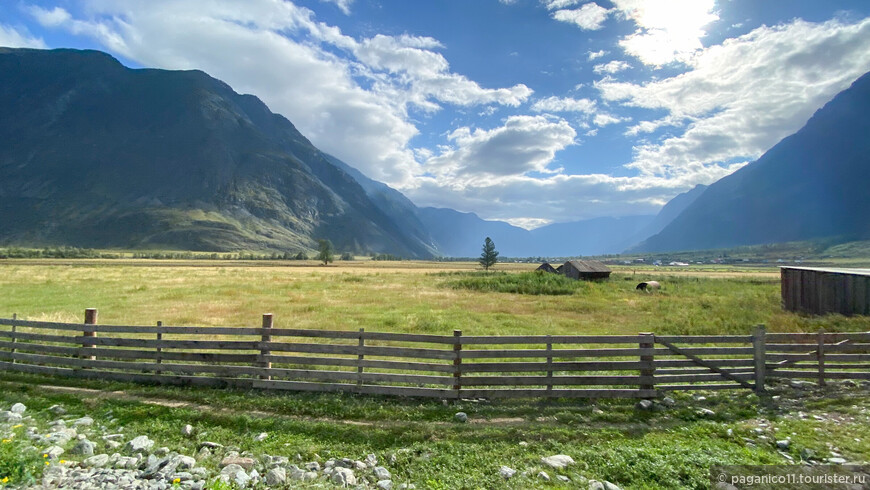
{"x":159,"y":358}
{"x":759,"y":355}
{"x":90,"y":319}
{"x":648,"y":369}
{"x":457,"y":363}
{"x":14,"y":317}
{"x":264,"y":347}
{"x":821,"y":352}
{"x":549,"y":367}
{"x":359,"y":359}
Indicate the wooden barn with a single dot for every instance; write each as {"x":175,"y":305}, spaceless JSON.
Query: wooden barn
{"x":588,"y":270}
{"x":821,"y":290}
{"x":546,"y":267}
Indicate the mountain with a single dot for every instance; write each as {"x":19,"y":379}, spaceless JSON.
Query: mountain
{"x":95,"y":154}
{"x":668,"y":213}
{"x":811,"y":184}
{"x":462,"y":234}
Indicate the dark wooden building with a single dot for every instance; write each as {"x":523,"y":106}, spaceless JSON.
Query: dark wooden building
{"x":588,"y":270}
{"x":546,"y":267}
{"x":821,"y":290}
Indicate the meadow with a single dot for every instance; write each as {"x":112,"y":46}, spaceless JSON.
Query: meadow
{"x":419,"y":439}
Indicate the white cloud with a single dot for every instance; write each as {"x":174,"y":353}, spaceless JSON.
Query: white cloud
{"x":590,"y":16}
{"x":559,"y":4}
{"x":343,"y":5}
{"x":668,"y":30}
{"x":746,"y":94}
{"x":11,"y":37}
{"x":594,"y":55}
{"x":302,"y":68}
{"x":566,"y":104}
{"x":523,"y":144}
{"x":604,"y":119}
{"x":611,"y":67}
{"x":529,"y":223}
{"x":651,"y":126}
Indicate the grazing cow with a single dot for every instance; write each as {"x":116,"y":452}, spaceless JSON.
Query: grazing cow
{"x":648,"y":286}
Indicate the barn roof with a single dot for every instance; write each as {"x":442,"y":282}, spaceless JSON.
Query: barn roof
{"x":546,"y":267}
{"x":855,"y":272}
{"x":589,"y":266}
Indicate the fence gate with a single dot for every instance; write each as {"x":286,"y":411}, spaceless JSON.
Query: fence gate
{"x":740,"y":363}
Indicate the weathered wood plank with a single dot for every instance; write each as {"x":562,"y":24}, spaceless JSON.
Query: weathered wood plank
{"x":172,"y":344}
{"x":517,"y":367}
{"x":700,"y":378}
{"x":557,"y":353}
{"x":558,"y":393}
{"x":556,"y":380}
{"x":706,"y":339}
{"x":366,"y":350}
{"x":556,"y":339}
{"x":29,"y":347}
{"x":346,"y":387}
{"x":670,"y":363}
{"x":702,"y":351}
{"x":813,"y":374}
{"x":67,"y":339}
{"x":366,"y":363}
{"x":731,"y":386}
{"x":811,"y":338}
{"x":702,"y":362}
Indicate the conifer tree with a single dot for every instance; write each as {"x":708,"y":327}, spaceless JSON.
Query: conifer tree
{"x":489,"y":256}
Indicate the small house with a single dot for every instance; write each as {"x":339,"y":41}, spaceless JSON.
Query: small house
{"x":588,"y":270}
{"x":546,"y":267}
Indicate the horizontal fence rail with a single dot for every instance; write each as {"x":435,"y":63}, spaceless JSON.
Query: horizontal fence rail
{"x":443,"y":366}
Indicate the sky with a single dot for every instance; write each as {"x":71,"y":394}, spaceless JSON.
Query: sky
{"x":528,"y":111}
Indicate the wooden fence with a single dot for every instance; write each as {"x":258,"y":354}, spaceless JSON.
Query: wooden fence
{"x":443,"y":366}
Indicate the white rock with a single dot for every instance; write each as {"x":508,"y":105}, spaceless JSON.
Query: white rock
{"x":371,"y":460}
{"x":18,"y":408}
{"x":563,"y":478}
{"x":506,"y":472}
{"x":86,"y":421}
{"x":644,"y":405}
{"x":140,"y":444}
{"x":276,"y":476}
{"x":706,"y":412}
{"x":261,"y":437}
{"x":385,"y":484}
{"x":7,"y":416}
{"x":97,"y":461}
{"x":235,"y":474}
{"x":382,"y":473}
{"x":558,"y":461}
{"x":461,"y":417}
{"x":53,"y":452}
{"x":187,"y":430}
{"x":602,"y":485}
{"x":343,"y":477}
{"x":544,"y":476}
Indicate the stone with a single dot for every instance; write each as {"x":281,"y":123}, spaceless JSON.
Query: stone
{"x":61,"y":436}
{"x":644,"y":405}
{"x":18,"y":408}
{"x":211,"y":445}
{"x":276,"y":476}
{"x":343,"y":477}
{"x":783,"y":444}
{"x":161,"y":451}
{"x":83,"y":447}
{"x":52,"y":452}
{"x":203,"y":453}
{"x":97,"y":461}
{"x":371,"y":460}
{"x":84,"y":421}
{"x":360,"y":466}
{"x":807,"y":454}
{"x":57,"y":410}
{"x":506,"y":472}
{"x":382,"y":473}
{"x":706,"y":412}
{"x":385,"y":484}
{"x":668,"y":401}
{"x":836,"y":460}
{"x":235,"y":474}
{"x":461,"y":417}
{"x":261,"y":437}
{"x":246,"y":463}
{"x":544,"y":476}
{"x":407,"y":486}
{"x":139,"y":445}
{"x":312,"y":466}
{"x":183,"y":462}
{"x":7,"y":416}
{"x":524,"y":444}
{"x":563,"y":478}
{"x":602,"y":485}
{"x":187,"y":430}
{"x":559,"y":461}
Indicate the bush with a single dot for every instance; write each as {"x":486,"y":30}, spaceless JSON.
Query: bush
{"x":534,"y":283}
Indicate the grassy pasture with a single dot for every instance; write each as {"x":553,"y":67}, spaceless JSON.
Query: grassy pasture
{"x":610,"y":439}
{"x":416,"y":297}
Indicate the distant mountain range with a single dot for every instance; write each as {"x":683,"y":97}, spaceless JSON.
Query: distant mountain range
{"x":812,"y":184}
{"x":95,"y":154}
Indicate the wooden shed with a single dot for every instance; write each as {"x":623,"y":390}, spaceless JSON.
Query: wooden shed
{"x":546,"y":267}
{"x":821,"y":290}
{"x":588,"y":270}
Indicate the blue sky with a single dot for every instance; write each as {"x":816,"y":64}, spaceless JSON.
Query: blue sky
{"x":530,"y":111}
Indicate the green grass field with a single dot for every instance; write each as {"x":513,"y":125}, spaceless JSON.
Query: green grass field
{"x":610,"y":440}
